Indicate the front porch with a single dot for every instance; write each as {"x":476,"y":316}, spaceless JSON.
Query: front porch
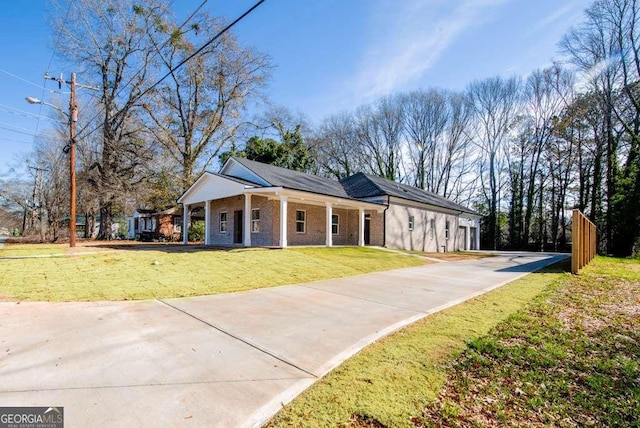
{"x":238,"y":213}
{"x":281,"y":218}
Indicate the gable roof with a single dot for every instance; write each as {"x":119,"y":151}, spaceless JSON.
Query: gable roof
{"x":363,"y":185}
{"x":295,"y":180}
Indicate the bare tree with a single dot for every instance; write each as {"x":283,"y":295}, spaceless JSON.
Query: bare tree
{"x":336,"y":146}
{"x":379,"y":131}
{"x":109,"y":41}
{"x":425,"y":119}
{"x":606,"y":48}
{"x":496,"y":102}
{"x":196,"y":111}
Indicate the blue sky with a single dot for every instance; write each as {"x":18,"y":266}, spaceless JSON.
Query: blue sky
{"x":330,"y":55}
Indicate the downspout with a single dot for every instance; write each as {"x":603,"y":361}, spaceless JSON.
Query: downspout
{"x":384,"y":223}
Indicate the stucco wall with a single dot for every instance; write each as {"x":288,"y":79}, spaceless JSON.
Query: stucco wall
{"x":422,"y":237}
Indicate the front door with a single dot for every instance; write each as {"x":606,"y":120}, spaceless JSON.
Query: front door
{"x":237,"y":227}
{"x":367,"y":229}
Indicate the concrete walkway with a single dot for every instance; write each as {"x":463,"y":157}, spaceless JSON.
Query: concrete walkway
{"x":225,"y":360}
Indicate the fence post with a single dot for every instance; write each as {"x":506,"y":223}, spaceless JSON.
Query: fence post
{"x":584,"y":242}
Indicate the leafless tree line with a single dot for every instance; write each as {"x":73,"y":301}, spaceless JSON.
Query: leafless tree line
{"x":522,"y":152}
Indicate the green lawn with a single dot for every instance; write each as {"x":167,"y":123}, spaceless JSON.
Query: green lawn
{"x":393,"y":379}
{"x":161,"y":272}
{"x":571,"y":359}
{"x":548,"y":349}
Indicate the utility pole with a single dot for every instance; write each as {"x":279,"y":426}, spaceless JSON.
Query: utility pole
{"x":73,"y":118}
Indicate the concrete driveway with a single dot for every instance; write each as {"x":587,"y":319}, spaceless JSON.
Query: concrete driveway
{"x":225,"y":360}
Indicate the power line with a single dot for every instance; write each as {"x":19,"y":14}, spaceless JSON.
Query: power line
{"x":141,"y":69}
{"x":18,"y":112}
{"x":172,"y":70}
{"x":31,"y":83}
{"x":203,"y":47}
{"x":18,"y":132}
{"x":11,"y":140}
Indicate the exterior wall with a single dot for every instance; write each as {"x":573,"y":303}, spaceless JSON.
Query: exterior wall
{"x":228,"y":205}
{"x":376,"y":228}
{"x":166,"y":226}
{"x":422,"y":237}
{"x":314,"y":233}
{"x":265,"y":237}
{"x":347,"y":228}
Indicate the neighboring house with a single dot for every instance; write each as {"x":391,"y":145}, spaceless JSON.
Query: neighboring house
{"x":151,"y":224}
{"x":93,"y":224}
{"x":254,"y":204}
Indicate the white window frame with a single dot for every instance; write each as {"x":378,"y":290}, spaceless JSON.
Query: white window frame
{"x":432,"y":226}
{"x":303,"y":222}
{"x":224,"y":222}
{"x":447,"y":231}
{"x":255,"y":221}
{"x":336,"y":224}
{"x":177,"y":224}
{"x":412,"y":222}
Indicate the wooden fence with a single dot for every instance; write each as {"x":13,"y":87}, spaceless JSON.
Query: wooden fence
{"x":583,"y":237}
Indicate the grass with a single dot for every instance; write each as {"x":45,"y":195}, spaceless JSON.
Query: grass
{"x":390,"y":382}
{"x":550,"y":349}
{"x":171,"y":271}
{"x":571,"y":359}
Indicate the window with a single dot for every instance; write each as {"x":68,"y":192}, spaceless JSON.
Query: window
{"x":223,"y":222}
{"x":432,"y":224}
{"x":255,"y":220}
{"x":411,"y":222}
{"x":335,"y":224}
{"x":177,"y":224}
{"x":301,"y":220}
{"x":446,"y":230}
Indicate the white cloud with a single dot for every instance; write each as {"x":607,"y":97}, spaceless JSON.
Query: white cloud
{"x":411,"y":39}
{"x":566,"y":15}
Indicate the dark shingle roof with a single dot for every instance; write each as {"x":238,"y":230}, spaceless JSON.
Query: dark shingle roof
{"x":357,"y":186}
{"x":366,"y":186}
{"x":282,"y":177}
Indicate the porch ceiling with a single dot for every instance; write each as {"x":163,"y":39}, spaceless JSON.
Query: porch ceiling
{"x":308,"y":198}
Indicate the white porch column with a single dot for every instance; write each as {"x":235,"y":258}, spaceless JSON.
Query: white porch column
{"x":207,"y":223}
{"x":478,"y":235}
{"x":329,"y":235}
{"x":247,"y":220}
{"x":283,"y":221}
{"x":361,"y":227}
{"x":185,"y":224}
{"x":467,"y":238}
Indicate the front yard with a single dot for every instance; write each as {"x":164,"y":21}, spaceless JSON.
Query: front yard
{"x":32,"y":272}
{"x":549,"y":349}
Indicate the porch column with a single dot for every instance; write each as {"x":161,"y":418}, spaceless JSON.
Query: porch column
{"x":478,"y":234}
{"x":467,"y":238}
{"x":207,"y":221}
{"x":329,"y":235}
{"x":185,"y":224}
{"x":247,"y":220}
{"x":361,"y":227}
{"x":283,"y":221}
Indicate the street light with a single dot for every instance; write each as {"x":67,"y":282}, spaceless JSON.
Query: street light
{"x":73,"y":118}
